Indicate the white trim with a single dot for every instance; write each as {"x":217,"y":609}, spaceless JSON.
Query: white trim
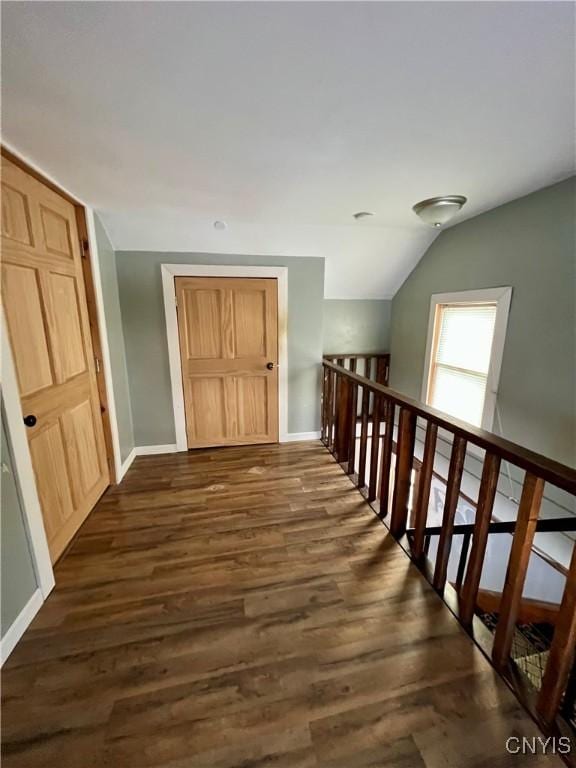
{"x":149,"y":450}
{"x":126,"y":464}
{"x":296,"y":437}
{"x":106,"y":359}
{"x":502,"y":297}
{"x":25,"y":479}
{"x":20,"y":625}
{"x":169,"y":272}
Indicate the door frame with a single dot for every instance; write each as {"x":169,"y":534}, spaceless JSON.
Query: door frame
{"x":18,"y":441}
{"x":169,"y":273}
{"x":24,"y":471}
{"x":95,"y":306}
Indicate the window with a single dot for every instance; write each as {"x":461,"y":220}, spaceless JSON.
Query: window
{"x":464,"y":353}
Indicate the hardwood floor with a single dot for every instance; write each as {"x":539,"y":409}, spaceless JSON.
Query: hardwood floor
{"x":244,"y":607}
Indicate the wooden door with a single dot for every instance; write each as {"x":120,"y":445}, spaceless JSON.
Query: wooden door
{"x":45,"y":306}
{"x":228,"y":329}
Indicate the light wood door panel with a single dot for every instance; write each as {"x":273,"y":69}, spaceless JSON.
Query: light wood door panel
{"x":23,"y":307}
{"x":45,"y":305}
{"x":65,"y":325}
{"x":48,"y":452}
{"x":228,"y":329}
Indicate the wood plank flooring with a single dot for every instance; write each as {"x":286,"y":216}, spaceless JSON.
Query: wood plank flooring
{"x":244,"y":607}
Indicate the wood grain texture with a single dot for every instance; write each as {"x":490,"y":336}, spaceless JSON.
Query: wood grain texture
{"x":228,"y":333}
{"x":486,"y":495}
{"x":386,"y":458}
{"x":403,"y":475}
{"x":520,"y":552}
{"x":423,"y":495}
{"x":245,"y":607}
{"x":365,"y":409}
{"x":457,"y":458}
{"x":562,"y":651}
{"x":49,"y":328}
{"x":552,"y":471}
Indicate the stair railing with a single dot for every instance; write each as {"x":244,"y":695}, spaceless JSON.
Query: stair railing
{"x":378,"y":455}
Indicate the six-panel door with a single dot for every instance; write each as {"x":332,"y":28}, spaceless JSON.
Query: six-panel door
{"x":46,"y":314}
{"x":228,"y":329}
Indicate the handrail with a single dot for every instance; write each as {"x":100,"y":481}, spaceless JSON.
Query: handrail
{"x":357,"y":356}
{"x":384,"y":469}
{"x":552,"y":471}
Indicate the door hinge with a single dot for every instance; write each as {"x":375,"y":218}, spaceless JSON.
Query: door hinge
{"x":84,"y":247}
{"x":97,"y":364}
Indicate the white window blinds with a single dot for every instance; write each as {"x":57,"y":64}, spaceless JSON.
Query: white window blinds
{"x":461,"y":359}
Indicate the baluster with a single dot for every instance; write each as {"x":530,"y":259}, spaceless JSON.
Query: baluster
{"x":526,"y":521}
{"x":561,"y":657}
{"x":343,"y":431}
{"x":375,"y":447}
{"x":381,"y":370}
{"x":332,"y":411}
{"x":569,"y":701}
{"x":423,"y":495}
{"x":386,"y":460}
{"x":352,"y":446}
{"x":337,"y":415}
{"x":452,"y":492}
{"x":486,"y":495}
{"x":324,"y":403}
{"x":367,"y":367}
{"x":337,"y":424}
{"x":404,"y":459}
{"x":363,"y":437}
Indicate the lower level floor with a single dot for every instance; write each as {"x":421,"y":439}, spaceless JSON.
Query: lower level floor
{"x":244,"y":607}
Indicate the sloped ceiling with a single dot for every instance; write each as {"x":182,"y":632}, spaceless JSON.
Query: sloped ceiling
{"x":283,"y":119}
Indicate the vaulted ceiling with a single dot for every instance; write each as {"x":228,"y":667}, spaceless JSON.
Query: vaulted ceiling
{"x":283,"y":119}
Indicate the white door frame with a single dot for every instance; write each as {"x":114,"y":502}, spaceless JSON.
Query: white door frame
{"x":26,"y":481}
{"x":169,"y":272}
{"x":24,"y":472}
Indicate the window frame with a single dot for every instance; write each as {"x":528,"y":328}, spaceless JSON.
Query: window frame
{"x":502,"y":298}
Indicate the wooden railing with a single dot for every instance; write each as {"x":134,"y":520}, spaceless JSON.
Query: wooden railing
{"x":371,"y":365}
{"x":379,"y":458}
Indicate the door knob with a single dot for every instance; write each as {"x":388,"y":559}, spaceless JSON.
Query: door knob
{"x":270,"y":366}
{"x":30,"y":420}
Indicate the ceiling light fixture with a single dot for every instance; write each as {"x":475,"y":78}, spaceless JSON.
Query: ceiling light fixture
{"x":362,"y":215}
{"x":220,"y":225}
{"x":436,"y":211}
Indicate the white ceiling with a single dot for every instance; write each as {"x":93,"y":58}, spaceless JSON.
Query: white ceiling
{"x":285,"y":118}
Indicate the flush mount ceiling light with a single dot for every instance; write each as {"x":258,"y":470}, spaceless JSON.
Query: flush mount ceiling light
{"x":220,"y":225}
{"x":436,"y":211}
{"x":362,"y":215}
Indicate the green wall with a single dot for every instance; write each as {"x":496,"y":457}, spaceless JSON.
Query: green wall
{"x":144,"y":326}
{"x":528,"y":244}
{"x":354,"y":325}
{"x":17,"y":571}
{"x":109,"y":282}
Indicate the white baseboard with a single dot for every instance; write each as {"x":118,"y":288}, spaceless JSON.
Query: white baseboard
{"x":20,"y":625}
{"x":295,"y":437}
{"x":127,"y":463}
{"x":149,"y":450}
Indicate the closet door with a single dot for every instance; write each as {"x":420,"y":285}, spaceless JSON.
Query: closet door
{"x":228,"y":329}
{"x":45,"y":306}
